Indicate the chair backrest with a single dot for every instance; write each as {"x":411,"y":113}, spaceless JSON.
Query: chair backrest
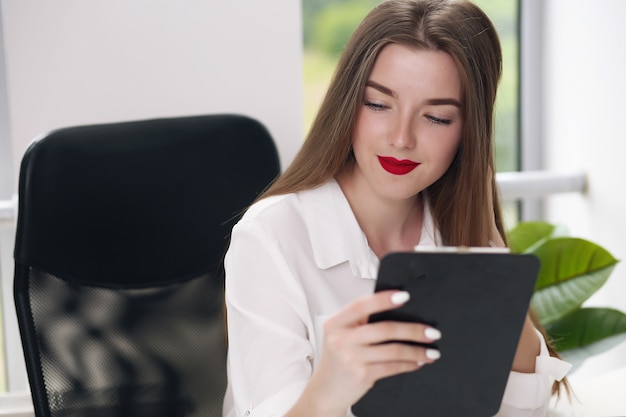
{"x":118,"y":286}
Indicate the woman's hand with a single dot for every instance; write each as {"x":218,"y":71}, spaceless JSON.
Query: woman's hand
{"x":355,"y":355}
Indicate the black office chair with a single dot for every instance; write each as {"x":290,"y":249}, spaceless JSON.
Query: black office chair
{"x":118,"y":262}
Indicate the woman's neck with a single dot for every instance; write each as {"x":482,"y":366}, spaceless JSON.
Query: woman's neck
{"x":389,"y":225}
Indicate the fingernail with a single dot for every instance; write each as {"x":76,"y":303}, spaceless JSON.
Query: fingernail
{"x":420,"y":363}
{"x":433,"y":354}
{"x":400,"y":297}
{"x":432,"y":333}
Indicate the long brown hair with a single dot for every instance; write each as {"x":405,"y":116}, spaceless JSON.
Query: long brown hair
{"x":460,"y":199}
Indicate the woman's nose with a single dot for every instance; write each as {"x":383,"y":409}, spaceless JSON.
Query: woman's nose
{"x":403,"y":134}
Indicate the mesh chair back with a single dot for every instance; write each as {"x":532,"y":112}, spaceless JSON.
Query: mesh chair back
{"x":119,"y":279}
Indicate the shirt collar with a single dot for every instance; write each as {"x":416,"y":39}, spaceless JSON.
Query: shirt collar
{"x":336,"y":236}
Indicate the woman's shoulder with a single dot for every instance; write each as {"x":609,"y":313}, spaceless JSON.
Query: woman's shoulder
{"x":284,"y":206}
{"x":274,"y":216}
{"x":287,"y":211}
{"x":267,"y":205}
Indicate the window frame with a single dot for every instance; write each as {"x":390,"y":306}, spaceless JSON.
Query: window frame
{"x":531,"y":97}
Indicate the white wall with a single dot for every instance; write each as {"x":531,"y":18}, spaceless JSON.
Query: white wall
{"x":74,"y":62}
{"x":7,"y":188}
{"x":585,"y":110}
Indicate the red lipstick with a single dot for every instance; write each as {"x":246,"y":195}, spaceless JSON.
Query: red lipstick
{"x":397,"y":167}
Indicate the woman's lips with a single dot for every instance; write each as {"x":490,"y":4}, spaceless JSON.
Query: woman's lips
{"x":395,"y":166}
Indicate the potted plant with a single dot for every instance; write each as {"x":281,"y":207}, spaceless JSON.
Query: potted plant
{"x":572,"y":269}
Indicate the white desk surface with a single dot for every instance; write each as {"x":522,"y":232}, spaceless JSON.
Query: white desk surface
{"x":599,"y":387}
{"x":600,"y":396}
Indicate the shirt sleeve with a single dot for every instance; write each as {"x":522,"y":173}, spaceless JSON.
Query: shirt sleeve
{"x":269,"y":357}
{"x":528,"y":395}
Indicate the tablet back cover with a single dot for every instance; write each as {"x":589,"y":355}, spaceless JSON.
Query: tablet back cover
{"x":479,"y":302}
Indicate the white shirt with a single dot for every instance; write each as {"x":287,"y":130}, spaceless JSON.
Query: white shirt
{"x":293,"y":261}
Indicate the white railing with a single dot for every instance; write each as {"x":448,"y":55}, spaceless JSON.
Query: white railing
{"x":539,"y":184}
{"x":8,"y":208}
{"x":17,"y":404}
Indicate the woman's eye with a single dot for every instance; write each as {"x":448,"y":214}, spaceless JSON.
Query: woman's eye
{"x":375,"y":106}
{"x":439,"y":121}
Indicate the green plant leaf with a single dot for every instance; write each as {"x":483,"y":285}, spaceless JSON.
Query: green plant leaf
{"x":552,"y":303}
{"x":572,"y":269}
{"x":567,"y":258}
{"x":578,"y":356}
{"x":586,"y":326}
{"x":526,"y":235}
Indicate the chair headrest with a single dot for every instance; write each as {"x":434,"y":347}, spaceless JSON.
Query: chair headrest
{"x":144,"y":200}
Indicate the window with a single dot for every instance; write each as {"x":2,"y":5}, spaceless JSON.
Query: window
{"x":505,"y":16}
{"x":327,"y":25}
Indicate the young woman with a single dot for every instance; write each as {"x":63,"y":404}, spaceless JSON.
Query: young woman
{"x":400,"y":155}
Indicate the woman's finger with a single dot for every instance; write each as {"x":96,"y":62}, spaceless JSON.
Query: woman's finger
{"x":358,"y":311}
{"x":381,"y":370}
{"x":385,"y":331}
{"x":399,"y":352}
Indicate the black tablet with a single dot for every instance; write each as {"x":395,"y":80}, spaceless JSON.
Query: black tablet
{"x":479,"y":301}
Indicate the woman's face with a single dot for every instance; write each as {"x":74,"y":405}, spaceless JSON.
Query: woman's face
{"x":409,"y":125}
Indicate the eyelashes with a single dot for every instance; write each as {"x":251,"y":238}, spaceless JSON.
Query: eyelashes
{"x":377,"y":107}
{"x":439,"y":121}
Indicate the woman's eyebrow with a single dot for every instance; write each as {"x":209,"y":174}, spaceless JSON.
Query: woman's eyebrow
{"x":444,"y":102}
{"x":432,"y":101}
{"x":380,"y":88}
